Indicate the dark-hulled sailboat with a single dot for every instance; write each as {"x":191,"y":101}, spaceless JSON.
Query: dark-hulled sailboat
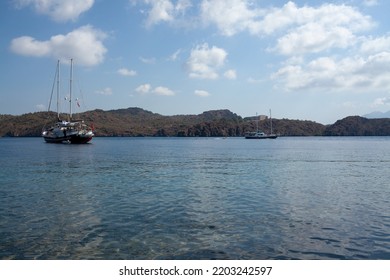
{"x":69,"y":130}
{"x":260,"y":134}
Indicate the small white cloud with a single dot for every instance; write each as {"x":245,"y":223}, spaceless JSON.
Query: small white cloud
{"x":164,"y":10}
{"x":381,"y":102}
{"x":182,"y":6}
{"x":150,"y":60}
{"x":40,"y":107}
{"x":146,"y":88}
{"x":106,"y":91}
{"x":58,"y":10}
{"x":201,"y":93}
{"x":204,"y":62}
{"x":231,"y":16}
{"x":175,"y":55}
{"x":163,"y":91}
{"x":252,"y":80}
{"x":84,"y":45}
{"x":370,"y":3}
{"x":160,"y":11}
{"x":230,"y":74}
{"x":143,"y":89}
{"x":127,"y":72}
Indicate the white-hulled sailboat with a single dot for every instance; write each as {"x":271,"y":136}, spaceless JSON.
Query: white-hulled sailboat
{"x":67,"y":131}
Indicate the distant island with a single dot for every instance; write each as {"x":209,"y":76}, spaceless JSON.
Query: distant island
{"x":137,"y":122}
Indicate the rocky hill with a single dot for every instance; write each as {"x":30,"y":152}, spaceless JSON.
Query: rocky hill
{"x":30,"y":124}
{"x":216,"y":123}
{"x":359,"y":126}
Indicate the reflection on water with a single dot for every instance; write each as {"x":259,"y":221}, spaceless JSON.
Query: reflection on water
{"x":127,"y":198}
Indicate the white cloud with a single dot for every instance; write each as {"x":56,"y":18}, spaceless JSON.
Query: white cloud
{"x":84,"y":44}
{"x":326,"y":15}
{"x":314,"y":38}
{"x":381,"y":101}
{"x":231,"y":16}
{"x":252,"y":80}
{"x":149,"y":60}
{"x":164,"y":10}
{"x":370,"y":3}
{"x":127,"y":72}
{"x":28,"y":46}
{"x":106,"y":91}
{"x":163,"y":91}
{"x":312,"y":30}
{"x":204,"y":62}
{"x":161,"y":11}
{"x":175,"y":55}
{"x":143,"y":89}
{"x":160,"y":90}
{"x":375,"y":45}
{"x":58,"y":10}
{"x":298,"y":30}
{"x":309,"y":29}
{"x":349,"y":73}
{"x":230,"y":74}
{"x":201,"y":93}
{"x":281,"y":18}
{"x":182,"y":6}
{"x":40,"y":107}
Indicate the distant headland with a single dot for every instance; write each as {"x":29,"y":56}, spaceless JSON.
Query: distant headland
{"x":137,"y":122}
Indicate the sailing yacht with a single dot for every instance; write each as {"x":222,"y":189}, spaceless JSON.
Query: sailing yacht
{"x":260,"y":134}
{"x":70,"y":130}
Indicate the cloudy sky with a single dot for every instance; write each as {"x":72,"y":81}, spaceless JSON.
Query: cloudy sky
{"x":314,"y":60}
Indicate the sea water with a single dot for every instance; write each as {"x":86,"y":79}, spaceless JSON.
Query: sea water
{"x":196,"y":198}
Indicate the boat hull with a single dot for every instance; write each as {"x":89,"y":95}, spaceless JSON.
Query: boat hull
{"x":80,"y":139}
{"x":71,"y":140}
{"x":72,"y":137}
{"x":56,"y":140}
{"x":272,"y":136}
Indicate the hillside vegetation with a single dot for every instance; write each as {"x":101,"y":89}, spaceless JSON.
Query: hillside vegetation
{"x":358,"y":126}
{"x":217,"y":123}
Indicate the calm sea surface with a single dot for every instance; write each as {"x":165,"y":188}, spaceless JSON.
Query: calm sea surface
{"x":196,"y":198}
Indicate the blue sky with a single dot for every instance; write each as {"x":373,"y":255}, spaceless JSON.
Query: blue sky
{"x":309,"y":60}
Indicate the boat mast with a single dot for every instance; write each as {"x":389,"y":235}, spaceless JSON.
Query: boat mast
{"x":70,"y":89}
{"x":58,"y":89}
{"x":270,"y":117}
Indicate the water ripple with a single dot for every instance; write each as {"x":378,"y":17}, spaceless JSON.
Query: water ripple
{"x":118,"y":198}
